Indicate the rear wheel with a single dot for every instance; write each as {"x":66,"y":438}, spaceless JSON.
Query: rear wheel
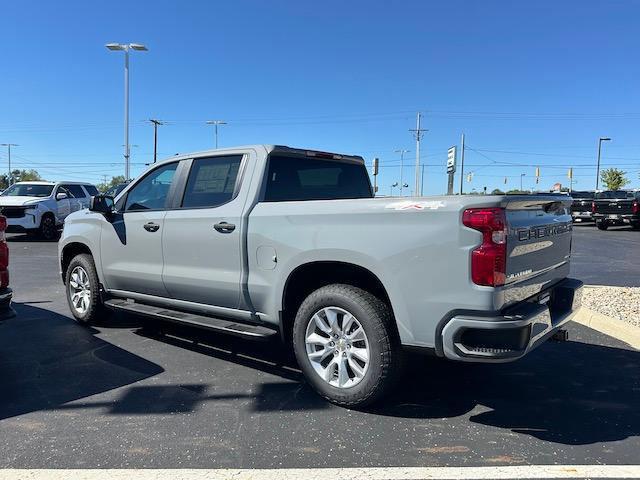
{"x":602,"y":225}
{"x":48,"y":227}
{"x":346,"y":345}
{"x":83,"y":291}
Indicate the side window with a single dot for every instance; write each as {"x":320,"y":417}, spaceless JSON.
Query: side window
{"x":63,"y":189}
{"x":211,"y":181}
{"x":91,"y":190}
{"x":152,"y":191}
{"x":76,"y":190}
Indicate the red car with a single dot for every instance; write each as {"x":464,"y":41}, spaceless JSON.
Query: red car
{"x":6,"y":311}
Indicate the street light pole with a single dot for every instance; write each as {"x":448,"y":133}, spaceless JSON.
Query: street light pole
{"x":521,"y":175}
{"x":401,"y":151}
{"x":9,"y":145}
{"x":600,"y":140}
{"x":215,"y":124}
{"x":125,"y":48}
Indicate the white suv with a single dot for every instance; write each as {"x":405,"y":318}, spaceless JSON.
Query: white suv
{"x":41,"y":207}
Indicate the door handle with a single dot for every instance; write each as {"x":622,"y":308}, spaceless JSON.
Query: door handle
{"x":151,"y":227}
{"x":224,"y":227}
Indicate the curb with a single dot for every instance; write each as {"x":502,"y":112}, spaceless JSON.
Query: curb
{"x":609,"y":326}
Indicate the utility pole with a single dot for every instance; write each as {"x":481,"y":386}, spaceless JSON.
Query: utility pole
{"x":155,"y":137}
{"x":401,"y":151}
{"x":418,"y":133}
{"x":9,"y":145}
{"x":215,"y":124}
{"x":461,"y":163}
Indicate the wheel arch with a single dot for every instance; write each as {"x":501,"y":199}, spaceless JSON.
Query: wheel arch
{"x":69,"y":251}
{"x":310,"y":276}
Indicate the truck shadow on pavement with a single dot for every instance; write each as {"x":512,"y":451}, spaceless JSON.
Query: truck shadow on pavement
{"x":564,"y":392}
{"x":569,"y":393}
{"x":47,"y":360}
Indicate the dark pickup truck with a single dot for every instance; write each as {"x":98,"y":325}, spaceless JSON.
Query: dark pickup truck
{"x":581,"y":206}
{"x":619,"y":207}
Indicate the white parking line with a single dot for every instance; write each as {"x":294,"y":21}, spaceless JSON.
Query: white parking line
{"x":382,"y":473}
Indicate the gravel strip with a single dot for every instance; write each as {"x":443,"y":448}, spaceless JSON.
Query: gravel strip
{"x":622,"y":303}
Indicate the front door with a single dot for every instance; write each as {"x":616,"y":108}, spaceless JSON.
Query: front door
{"x":63,"y":206}
{"x":131,"y":241}
{"x":202,"y":238}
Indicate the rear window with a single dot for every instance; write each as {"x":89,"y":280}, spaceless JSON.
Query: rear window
{"x":91,"y":189}
{"x":619,"y":194}
{"x":299,"y":178}
{"x":588,"y":195}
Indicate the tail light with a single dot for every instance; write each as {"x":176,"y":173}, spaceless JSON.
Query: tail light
{"x":593,"y":207}
{"x":488,"y":261}
{"x":635,"y":207}
{"x":4,"y":254}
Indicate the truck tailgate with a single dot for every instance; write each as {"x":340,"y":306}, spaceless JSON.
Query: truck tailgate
{"x":538,"y":245}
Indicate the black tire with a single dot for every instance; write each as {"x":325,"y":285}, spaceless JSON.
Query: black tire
{"x":602,"y":225}
{"x":48,"y":230}
{"x":385,"y":356}
{"x":95,"y":311}
{"x":635,"y":225}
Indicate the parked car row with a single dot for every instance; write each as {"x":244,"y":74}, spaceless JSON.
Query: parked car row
{"x":607,"y":208}
{"x":41,"y":207}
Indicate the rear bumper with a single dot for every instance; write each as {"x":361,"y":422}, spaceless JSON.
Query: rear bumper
{"x":616,"y":217}
{"x":6,"y":310}
{"x":582,"y":216}
{"x":509,"y":335}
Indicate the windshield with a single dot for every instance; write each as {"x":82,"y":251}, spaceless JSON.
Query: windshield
{"x":28,"y":190}
{"x":619,"y":194}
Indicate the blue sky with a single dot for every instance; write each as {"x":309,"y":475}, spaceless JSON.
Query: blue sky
{"x":530,"y":83}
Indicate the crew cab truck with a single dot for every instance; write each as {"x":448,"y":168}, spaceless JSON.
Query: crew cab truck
{"x":269,"y":241}
{"x":41,"y":207}
{"x":616,"y":207}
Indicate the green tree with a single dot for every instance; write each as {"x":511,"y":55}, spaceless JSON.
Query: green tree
{"x":103,"y":187}
{"x":20,"y":176}
{"x":497,"y":191}
{"x":614,"y":179}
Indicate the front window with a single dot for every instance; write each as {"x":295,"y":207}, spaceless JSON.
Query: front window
{"x":152,"y":191}
{"x":28,"y":190}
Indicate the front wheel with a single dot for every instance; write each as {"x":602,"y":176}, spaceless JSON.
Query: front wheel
{"x":346,"y":345}
{"x":48,"y":227}
{"x":83,"y":291}
{"x":602,"y":225}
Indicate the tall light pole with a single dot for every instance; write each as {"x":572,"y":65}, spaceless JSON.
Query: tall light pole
{"x":600,"y":140}
{"x":215,"y":124}
{"x":418,"y":132}
{"x":9,"y":145}
{"x":125,"y":47}
{"x":521,"y":176}
{"x":401,"y":151}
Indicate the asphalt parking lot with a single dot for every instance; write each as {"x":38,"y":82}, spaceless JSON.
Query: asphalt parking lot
{"x":120,"y":396}
{"x":606,"y":257}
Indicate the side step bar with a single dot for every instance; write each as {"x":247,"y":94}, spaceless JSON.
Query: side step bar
{"x":252,"y":332}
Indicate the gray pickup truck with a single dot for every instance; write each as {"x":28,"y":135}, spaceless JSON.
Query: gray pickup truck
{"x":269,"y":242}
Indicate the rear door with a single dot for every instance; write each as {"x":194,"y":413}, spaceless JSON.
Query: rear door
{"x":203,"y":232}
{"x":538,"y":244}
{"x":131,"y":240}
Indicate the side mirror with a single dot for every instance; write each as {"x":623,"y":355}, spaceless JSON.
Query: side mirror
{"x":101,"y":204}
{"x":61,"y":196}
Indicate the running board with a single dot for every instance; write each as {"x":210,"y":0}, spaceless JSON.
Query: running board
{"x":252,"y":332}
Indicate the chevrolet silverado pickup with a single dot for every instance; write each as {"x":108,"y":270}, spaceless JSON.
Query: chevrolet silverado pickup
{"x":616,"y":207}
{"x":271,"y":242}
